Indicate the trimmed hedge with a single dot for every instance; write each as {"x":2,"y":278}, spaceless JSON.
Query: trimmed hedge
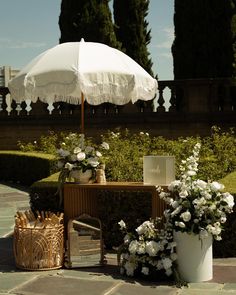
{"x":227,"y":247}
{"x":26,"y":168}
{"x":44,"y":194}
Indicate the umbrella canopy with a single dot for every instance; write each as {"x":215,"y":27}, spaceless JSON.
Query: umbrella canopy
{"x":76,"y":71}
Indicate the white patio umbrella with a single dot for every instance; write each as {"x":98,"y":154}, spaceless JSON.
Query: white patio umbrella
{"x":77,"y":71}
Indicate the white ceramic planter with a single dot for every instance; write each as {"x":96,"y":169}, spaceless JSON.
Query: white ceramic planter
{"x":81,"y":177}
{"x":194,"y":257}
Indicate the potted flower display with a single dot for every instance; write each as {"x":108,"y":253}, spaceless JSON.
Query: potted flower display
{"x":79,"y":160}
{"x":197,"y":211}
{"x":147,"y":251}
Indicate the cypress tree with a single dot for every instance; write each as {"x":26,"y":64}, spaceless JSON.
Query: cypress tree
{"x":132,"y":30}
{"x":203,"y":45}
{"x":88,"y":19}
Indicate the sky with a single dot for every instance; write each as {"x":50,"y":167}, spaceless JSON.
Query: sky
{"x":29,"y":27}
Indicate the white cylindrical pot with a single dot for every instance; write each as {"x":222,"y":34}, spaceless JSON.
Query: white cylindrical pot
{"x":80,"y":176}
{"x":194,"y":257}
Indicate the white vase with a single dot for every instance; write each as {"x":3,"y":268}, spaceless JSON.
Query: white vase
{"x":80,"y":176}
{"x":194,"y":257}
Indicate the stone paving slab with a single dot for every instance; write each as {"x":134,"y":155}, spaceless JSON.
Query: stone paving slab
{"x":9,"y":281}
{"x":59,"y":285}
{"x":64,"y":286}
{"x":224,"y":274}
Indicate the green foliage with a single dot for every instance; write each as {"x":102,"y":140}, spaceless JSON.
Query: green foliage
{"x":25,"y":168}
{"x":46,"y":144}
{"x":125,"y":157}
{"x":199,"y":52}
{"x":132,"y":30}
{"x":88,"y":19}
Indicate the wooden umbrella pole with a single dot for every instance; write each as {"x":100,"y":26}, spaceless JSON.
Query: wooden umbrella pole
{"x":82,"y":113}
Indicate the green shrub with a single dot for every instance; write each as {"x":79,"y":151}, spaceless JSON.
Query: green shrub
{"x":124,"y":162}
{"x":46,"y":144}
{"x":44,"y":195}
{"x":25,"y":168}
{"x":227,"y":247}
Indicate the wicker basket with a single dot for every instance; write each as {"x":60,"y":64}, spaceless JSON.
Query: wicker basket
{"x":39,"y":248}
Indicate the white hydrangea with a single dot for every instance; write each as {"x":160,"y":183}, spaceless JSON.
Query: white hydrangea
{"x":167,"y":263}
{"x":133,"y":246}
{"x":229,"y":199}
{"x":216,"y":186}
{"x":152,"y":248}
{"x":130,"y":268}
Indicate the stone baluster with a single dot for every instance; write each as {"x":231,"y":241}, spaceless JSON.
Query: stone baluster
{"x":14,"y":108}
{"x":173,"y":100}
{"x":23,"y":112}
{"x":3,"y":111}
{"x":161,"y":101}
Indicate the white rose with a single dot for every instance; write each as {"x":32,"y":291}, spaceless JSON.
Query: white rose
{"x":223,"y":219}
{"x":216,"y":186}
{"x":93,"y":162}
{"x":201,"y":184}
{"x":98,"y":154}
{"x":191,"y":173}
{"x":183,"y":194}
{"x":69,"y":166}
{"x":77,"y":150}
{"x":122,"y":224}
{"x":105,"y":145}
{"x":229,"y":199}
{"x":186,"y":216}
{"x":81,"y":156}
{"x":174,"y":184}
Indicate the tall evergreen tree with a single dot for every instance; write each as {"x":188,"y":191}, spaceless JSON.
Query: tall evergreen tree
{"x":88,"y":19}
{"x":203,"y":45}
{"x":132,"y":30}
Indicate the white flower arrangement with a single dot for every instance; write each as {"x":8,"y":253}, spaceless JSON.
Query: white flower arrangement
{"x":75,"y":154}
{"x":196,"y":206}
{"x":148,"y":250}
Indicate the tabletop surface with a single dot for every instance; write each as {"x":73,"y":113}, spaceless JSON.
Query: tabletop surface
{"x":114,"y":185}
